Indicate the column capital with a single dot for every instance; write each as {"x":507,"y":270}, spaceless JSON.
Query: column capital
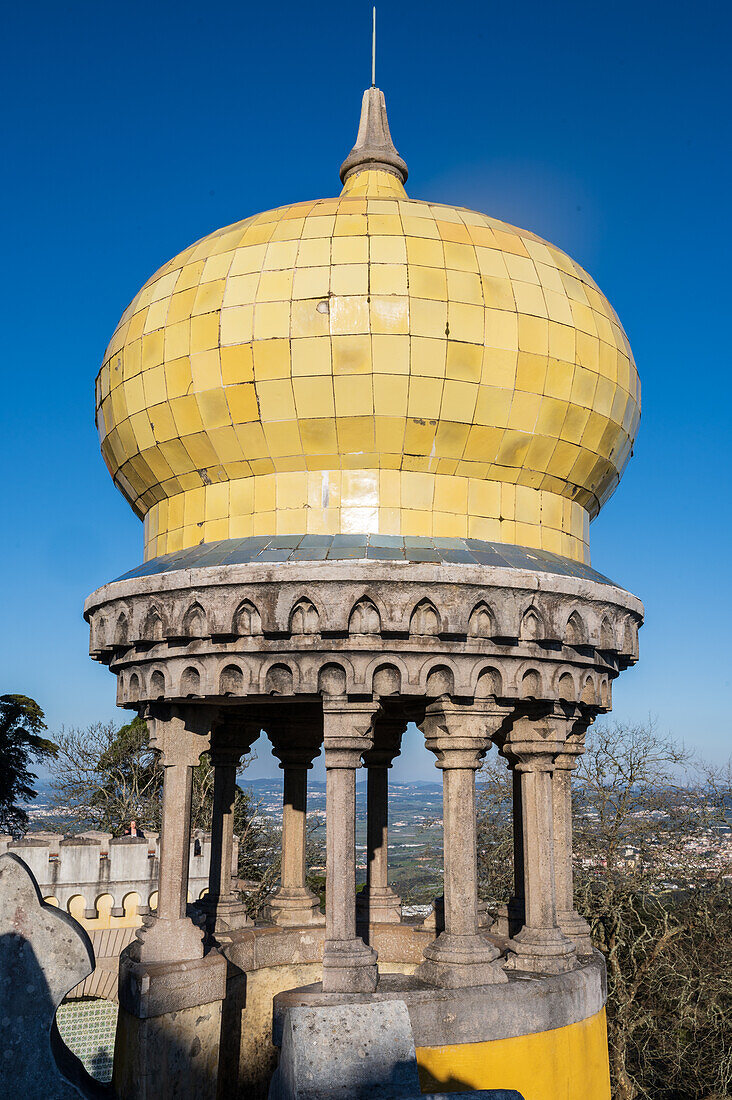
{"x":348,"y":729}
{"x":295,"y":734}
{"x":460,"y":735}
{"x":538,"y":736}
{"x":295,"y":756}
{"x":232,"y":737}
{"x":180,"y":733}
{"x":388,"y":732}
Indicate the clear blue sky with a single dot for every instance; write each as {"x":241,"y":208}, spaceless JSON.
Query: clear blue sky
{"x":132,"y":130}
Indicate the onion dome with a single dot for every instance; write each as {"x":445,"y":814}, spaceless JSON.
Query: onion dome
{"x":371,"y":364}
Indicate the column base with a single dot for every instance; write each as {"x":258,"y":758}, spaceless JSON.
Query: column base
{"x":380,"y":905}
{"x":349,"y":966}
{"x":225,"y":914}
{"x":160,"y":940}
{"x":542,"y":951}
{"x":294,"y":907}
{"x":509,"y":918}
{"x":169,"y":1028}
{"x":435,"y":919}
{"x":453,"y":962}
{"x":576,"y":929}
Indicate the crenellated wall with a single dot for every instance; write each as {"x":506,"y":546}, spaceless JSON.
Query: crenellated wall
{"x":105,"y":881}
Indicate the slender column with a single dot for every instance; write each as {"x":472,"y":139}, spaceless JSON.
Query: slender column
{"x":294,"y":904}
{"x":540,"y":946}
{"x":569,"y":920}
{"x":460,"y":956}
{"x":510,"y":917}
{"x":223,"y":906}
{"x":377,"y":902}
{"x":181,"y":734}
{"x":349,"y":966}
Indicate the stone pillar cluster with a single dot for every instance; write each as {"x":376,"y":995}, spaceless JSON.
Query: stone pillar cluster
{"x":541,"y":744}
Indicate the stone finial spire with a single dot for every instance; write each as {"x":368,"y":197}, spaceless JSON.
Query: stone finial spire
{"x":374,"y":150}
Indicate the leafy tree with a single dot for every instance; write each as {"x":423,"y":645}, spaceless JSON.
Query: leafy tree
{"x":653,"y":876}
{"x":21,"y":743}
{"x":105,"y":776}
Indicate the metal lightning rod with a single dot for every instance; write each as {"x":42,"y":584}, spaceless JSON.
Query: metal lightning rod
{"x":373,"y":50}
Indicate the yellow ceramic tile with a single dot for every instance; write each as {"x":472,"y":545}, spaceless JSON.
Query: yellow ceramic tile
{"x":349,"y":279}
{"x":353,"y":395}
{"x":313,"y":397}
{"x":309,"y":320}
{"x":271,"y":320}
{"x":310,"y":356}
{"x":350,"y":250}
{"x":388,"y":279}
{"x":389,"y":314}
{"x":276,"y":400}
{"x":387,"y":250}
{"x":275,"y":286}
{"x":382,"y":332}
{"x":351,"y":355}
{"x":349,"y":315}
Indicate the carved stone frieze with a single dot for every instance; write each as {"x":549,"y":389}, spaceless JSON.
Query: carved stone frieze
{"x":366,"y":628}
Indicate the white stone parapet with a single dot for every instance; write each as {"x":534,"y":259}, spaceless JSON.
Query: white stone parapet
{"x":95,"y":867}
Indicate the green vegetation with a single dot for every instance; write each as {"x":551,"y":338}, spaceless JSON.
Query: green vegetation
{"x":106,"y":776}
{"x":21,"y":744}
{"x":653,"y":876}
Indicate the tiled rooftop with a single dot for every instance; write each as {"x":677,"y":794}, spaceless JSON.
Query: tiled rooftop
{"x":355,"y":547}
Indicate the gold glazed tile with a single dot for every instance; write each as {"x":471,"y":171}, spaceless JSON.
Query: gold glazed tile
{"x":463,"y":376}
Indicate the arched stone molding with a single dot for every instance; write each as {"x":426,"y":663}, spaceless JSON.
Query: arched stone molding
{"x":530,"y":684}
{"x":278,"y":677}
{"x":246,"y":621}
{"x":564,"y":685}
{"x":439,"y":679}
{"x":385,"y":685}
{"x":482,"y":621}
{"x":195,"y":622}
{"x":157,"y":684}
{"x":433,"y":664}
{"x":304,"y":617}
{"x":590,"y":693}
{"x":191,"y":683}
{"x":607,"y":640}
{"x":532,"y":627}
{"x":575,"y":631}
{"x":134,"y":686}
{"x":425,"y":619}
{"x":487,"y":682}
{"x":121,"y":629}
{"x":365,"y":617}
{"x":333,"y":679}
{"x":232,"y":680}
{"x":153,"y":627}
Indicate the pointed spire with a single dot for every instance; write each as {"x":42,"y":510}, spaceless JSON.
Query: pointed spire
{"x":374,"y":150}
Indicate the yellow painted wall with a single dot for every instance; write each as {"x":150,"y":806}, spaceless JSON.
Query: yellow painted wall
{"x":568,"y":1063}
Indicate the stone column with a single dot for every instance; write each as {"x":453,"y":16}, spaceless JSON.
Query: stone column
{"x":223,"y":906}
{"x":349,"y":966}
{"x":294,"y":904}
{"x":510,"y":917}
{"x":569,"y":920}
{"x":170,"y":991}
{"x":170,"y":935}
{"x":540,"y":946}
{"x":460,"y":956}
{"x":377,"y":902}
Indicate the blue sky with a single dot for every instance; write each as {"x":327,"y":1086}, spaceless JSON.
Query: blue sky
{"x":131,"y":131}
